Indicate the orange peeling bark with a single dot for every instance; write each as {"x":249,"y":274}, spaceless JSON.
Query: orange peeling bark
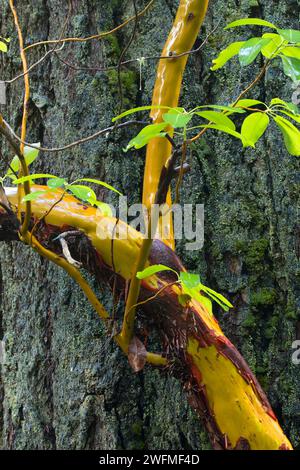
{"x":222,"y":388}
{"x":167,"y":87}
{"x":237,"y":406}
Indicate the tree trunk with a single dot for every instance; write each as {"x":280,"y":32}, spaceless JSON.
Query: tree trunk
{"x":64,"y":384}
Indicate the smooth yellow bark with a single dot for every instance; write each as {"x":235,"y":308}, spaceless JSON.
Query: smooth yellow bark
{"x":183,"y":34}
{"x":237,"y":409}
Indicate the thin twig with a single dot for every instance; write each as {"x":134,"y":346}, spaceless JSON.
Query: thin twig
{"x":131,"y":61}
{"x":55,"y":49}
{"x":95,"y":36}
{"x":24,"y":168}
{"x":153,"y":297}
{"x":38,"y":222}
{"x":108,"y":130}
{"x":51,"y":51}
{"x":255,"y":81}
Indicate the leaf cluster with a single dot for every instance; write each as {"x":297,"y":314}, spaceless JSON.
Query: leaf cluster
{"x":217,"y":117}
{"x":283,"y":44}
{"x":191,"y":287}
{"x":80,"y":191}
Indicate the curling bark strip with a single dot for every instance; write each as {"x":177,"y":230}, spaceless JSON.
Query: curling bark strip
{"x":219,"y":383}
{"x":183,"y":34}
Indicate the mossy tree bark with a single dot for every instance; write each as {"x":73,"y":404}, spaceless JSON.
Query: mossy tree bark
{"x":63,"y":382}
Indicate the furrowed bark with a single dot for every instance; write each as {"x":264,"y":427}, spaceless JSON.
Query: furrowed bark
{"x":219,"y":383}
{"x":166,"y":92}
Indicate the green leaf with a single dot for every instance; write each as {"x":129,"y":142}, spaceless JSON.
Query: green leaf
{"x":291,"y":35}
{"x":293,"y":108}
{"x":33,"y":196}
{"x":32,"y":177}
{"x":251,"y":21}
{"x":82,"y":192}
{"x":273,"y":48}
{"x":30,"y":154}
{"x":248,"y":103}
{"x":189,"y":280}
{"x":227,"y":54}
{"x":225,"y":129}
{"x":254,"y":126}
{"x":229,"y":109}
{"x":191,"y":286}
{"x":295,"y":117}
{"x":203,"y":300}
{"x":3,"y":47}
{"x":184,"y":299}
{"x":192,"y":293}
{"x":92,"y":199}
{"x":291,"y":135}
{"x":145,"y":135}
{"x":289,"y":106}
{"x":14,"y":165}
{"x":251,"y":49}
{"x":54,"y":183}
{"x":291,"y":52}
{"x":151,"y":270}
{"x":291,"y":68}
{"x":100,"y":183}
{"x":105,"y":208}
{"x":219,"y":298}
{"x":217,"y":118}
{"x":195,"y":294}
{"x":177,"y":119}
{"x":135,"y":110}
